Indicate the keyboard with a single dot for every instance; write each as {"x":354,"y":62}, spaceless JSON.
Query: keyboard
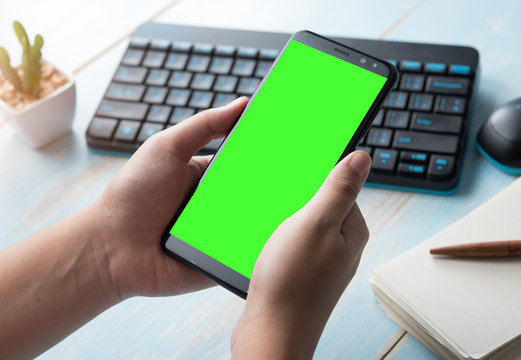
{"x":170,"y":72}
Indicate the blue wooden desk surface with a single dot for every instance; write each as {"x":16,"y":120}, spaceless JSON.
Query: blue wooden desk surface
{"x":41,"y":188}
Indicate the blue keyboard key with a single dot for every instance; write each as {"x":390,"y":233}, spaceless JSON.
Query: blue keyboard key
{"x":384,"y":160}
{"x":459,"y":69}
{"x":411,"y":170}
{"x":412,"y":156}
{"x":127,"y":130}
{"x":394,"y":62}
{"x":441,"y":167}
{"x":435,"y":68}
{"x":147,"y":130}
{"x":409,"y":65}
{"x":379,"y":137}
{"x":396,"y":100}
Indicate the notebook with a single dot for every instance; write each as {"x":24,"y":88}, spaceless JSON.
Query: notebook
{"x":460,"y":308}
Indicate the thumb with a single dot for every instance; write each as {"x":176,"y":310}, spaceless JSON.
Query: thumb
{"x":337,"y":195}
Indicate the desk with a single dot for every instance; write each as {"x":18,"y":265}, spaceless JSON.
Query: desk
{"x":41,"y":188}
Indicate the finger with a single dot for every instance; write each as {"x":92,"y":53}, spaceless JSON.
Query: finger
{"x":198,"y":164}
{"x":192,"y":134}
{"x":336,"y":196}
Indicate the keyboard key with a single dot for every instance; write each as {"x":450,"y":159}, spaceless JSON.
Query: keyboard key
{"x":396,"y":100}
{"x":225,"y":50}
{"x":410,"y":65}
{"x":160,"y":44}
{"x":384,"y":160}
{"x":221,"y":65}
{"x":180,"y":114}
{"x":435,"y":68}
{"x":120,"y":109}
{"x":436,"y":123}
{"x":411,"y":170}
{"x":155,"y":95}
{"x":262,"y":68}
{"x":397,"y":119}
{"x":178,"y":97}
{"x":182,"y":46}
{"x":447,"y":85}
{"x":379,"y":137}
{"x":410,"y":140}
{"x":413,"y":156}
{"x":147,"y":130}
{"x":412,"y":82}
{"x":154,"y":59}
{"x":102,"y":128}
{"x":393,"y":62}
{"x":243,"y":67}
{"x":225,"y":83}
{"x":157,"y":77}
{"x":180,"y":79}
{"x":247,"y":86}
{"x":198,"y":63}
{"x":127,"y":74}
{"x":125,"y":92}
{"x":139,"y":43}
{"x":133,"y":57}
{"x":223,"y":99}
{"x":460,"y":69}
{"x":203,"y":48}
{"x":127,"y":130}
{"x":440,"y":167}
{"x":202,"y":81}
{"x":450,"y":105}
{"x":422,"y":102}
{"x":379,"y":118}
{"x":159,"y":113}
{"x":367,"y":149}
{"x":269,"y":54}
{"x":176,"y":61}
{"x":247,"y":52}
{"x":201,"y":99}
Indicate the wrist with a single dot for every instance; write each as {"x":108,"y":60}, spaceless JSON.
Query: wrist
{"x":266,"y":332}
{"x":100,"y":253}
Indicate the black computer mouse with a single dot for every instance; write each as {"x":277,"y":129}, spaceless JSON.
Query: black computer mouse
{"x":499,"y":139}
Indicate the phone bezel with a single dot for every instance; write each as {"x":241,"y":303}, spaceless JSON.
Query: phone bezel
{"x":213,"y":269}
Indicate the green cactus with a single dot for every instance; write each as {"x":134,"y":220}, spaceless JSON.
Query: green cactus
{"x":32,"y":71}
{"x":8,"y":71}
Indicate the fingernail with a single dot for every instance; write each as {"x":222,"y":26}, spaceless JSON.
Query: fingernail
{"x":361,"y":163}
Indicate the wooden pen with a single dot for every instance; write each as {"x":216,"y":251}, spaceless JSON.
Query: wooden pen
{"x":491,"y":248}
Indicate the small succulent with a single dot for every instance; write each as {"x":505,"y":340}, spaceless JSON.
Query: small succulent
{"x":32,"y":72}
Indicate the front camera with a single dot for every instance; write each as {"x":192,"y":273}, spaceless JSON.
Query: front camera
{"x":363,"y":60}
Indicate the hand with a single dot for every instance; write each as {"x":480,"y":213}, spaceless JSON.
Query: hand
{"x":140,"y":201}
{"x":304,"y":268}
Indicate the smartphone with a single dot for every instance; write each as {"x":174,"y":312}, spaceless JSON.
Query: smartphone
{"x":311,"y":109}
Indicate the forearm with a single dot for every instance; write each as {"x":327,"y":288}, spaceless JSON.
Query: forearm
{"x":51,"y":284}
{"x":275,"y":337}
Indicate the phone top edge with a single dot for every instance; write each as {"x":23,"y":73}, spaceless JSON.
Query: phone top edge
{"x":358,"y":58}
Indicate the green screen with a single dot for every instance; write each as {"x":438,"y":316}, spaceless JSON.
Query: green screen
{"x":279,"y":154}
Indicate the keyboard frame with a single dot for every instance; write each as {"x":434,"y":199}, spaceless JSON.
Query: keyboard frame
{"x":379,"y":48}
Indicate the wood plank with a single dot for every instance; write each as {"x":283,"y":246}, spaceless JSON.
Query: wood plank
{"x":75,"y":31}
{"x":410,"y":348}
{"x":334,"y":17}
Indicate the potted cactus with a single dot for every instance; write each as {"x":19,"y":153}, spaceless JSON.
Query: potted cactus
{"x":37,"y":98}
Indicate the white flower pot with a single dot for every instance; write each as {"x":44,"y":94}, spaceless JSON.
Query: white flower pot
{"x":47,"y":119}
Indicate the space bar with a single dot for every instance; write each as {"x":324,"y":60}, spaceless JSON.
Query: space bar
{"x":410,"y":140}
